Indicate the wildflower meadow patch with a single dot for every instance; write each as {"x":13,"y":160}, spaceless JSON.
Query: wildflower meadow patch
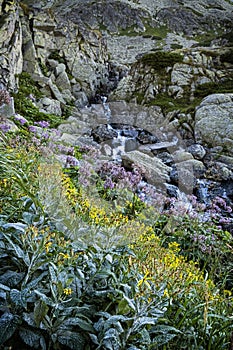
{"x":87,"y":262}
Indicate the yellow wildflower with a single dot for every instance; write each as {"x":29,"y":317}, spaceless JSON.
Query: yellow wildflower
{"x":67,"y":291}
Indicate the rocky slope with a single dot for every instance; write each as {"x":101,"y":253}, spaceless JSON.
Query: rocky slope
{"x":166,"y":67}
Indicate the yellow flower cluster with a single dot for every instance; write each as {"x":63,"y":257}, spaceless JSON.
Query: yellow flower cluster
{"x":165,"y":265}
{"x":95,"y":215}
{"x":67,"y":291}
{"x":71,"y":191}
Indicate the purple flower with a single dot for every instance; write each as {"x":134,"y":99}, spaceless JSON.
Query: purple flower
{"x":5,"y":127}
{"x":36,"y":141}
{"x":71,"y":161}
{"x":42,"y":124}
{"x":45,"y":135}
{"x":109,"y":184}
{"x":21,"y":119}
{"x":32,"y":128}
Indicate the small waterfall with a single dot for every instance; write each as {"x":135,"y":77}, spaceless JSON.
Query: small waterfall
{"x":119,"y":144}
{"x":202,"y":192}
{"x":107,"y":110}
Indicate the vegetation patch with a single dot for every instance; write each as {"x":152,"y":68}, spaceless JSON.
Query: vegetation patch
{"x":160,"y":59}
{"x":156,"y":33}
{"x":24,"y":101}
{"x":168,"y":103}
{"x":225,"y":86}
{"x":84,"y":259}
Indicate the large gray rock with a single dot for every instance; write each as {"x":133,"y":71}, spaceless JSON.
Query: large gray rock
{"x":214,"y":122}
{"x":50,"y":106}
{"x":156,"y":172}
{"x":7,"y":110}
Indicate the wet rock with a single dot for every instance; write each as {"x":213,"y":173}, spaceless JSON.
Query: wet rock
{"x":145,"y":118}
{"x":172,"y":190}
{"x":197,"y":150}
{"x":226,"y":160}
{"x":7,"y":110}
{"x":146,"y":138}
{"x":183,"y":178}
{"x":166,"y":157}
{"x":219,"y":172}
{"x":74,"y":126}
{"x":194,"y":166}
{"x":131,"y":145}
{"x":103,"y":133}
{"x":131,"y":133}
{"x":159,"y":146}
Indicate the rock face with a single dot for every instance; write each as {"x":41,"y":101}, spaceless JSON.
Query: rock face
{"x":71,"y":57}
{"x":214,"y":122}
{"x":11,"y":61}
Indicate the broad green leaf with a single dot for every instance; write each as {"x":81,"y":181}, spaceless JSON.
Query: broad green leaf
{"x":31,"y":338}
{"x":8,"y":325}
{"x":17,"y":226}
{"x":2,"y":296}
{"x":44,"y":298}
{"x":162,"y":339}
{"x":165,"y":329}
{"x":12,"y":278}
{"x":106,"y":274}
{"x":19,"y":298}
{"x":111,"y":339}
{"x":143,"y":321}
{"x":40,"y":311}
{"x":52,"y":272}
{"x":2,"y":286}
{"x":29,"y":319}
{"x":72,"y":340}
{"x":109,"y":258}
{"x":18,"y":251}
{"x":125,"y":305}
{"x":94,"y":339}
{"x":34,"y":283}
{"x":81,"y":323}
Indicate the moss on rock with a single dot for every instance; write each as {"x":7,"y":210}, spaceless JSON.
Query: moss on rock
{"x":24,"y":105}
{"x":160,"y":59}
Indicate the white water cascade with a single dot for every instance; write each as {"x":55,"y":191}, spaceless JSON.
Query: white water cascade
{"x":119,"y":144}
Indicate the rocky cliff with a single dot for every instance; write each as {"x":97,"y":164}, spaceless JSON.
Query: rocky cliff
{"x":165,"y":66}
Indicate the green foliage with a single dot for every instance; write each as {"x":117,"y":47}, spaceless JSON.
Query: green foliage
{"x":156,"y":33}
{"x":225,"y":86}
{"x":203,"y":243}
{"x":160,"y":59}
{"x":168,"y":103}
{"x":68,"y":280}
{"x":66,"y":293}
{"x":55,"y":55}
{"x":24,"y":105}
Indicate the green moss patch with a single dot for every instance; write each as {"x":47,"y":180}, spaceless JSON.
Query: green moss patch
{"x":168,"y":103}
{"x":160,"y":59}
{"x":212,"y":88}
